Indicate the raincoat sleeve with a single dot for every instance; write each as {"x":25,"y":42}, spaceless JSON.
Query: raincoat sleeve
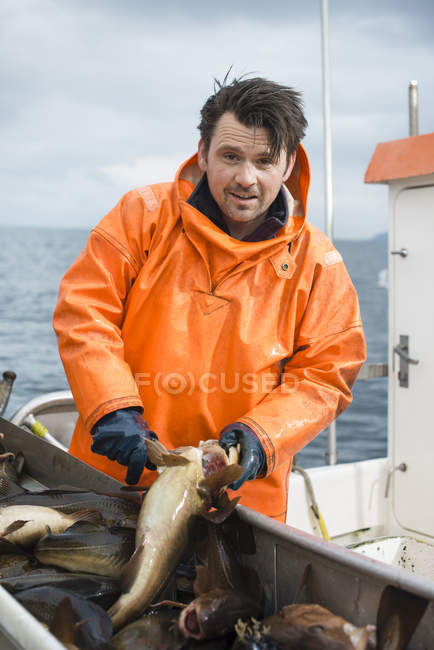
{"x":90,"y":308}
{"x":316,"y":381}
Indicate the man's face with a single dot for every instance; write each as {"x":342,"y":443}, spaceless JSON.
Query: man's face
{"x":243,"y":178}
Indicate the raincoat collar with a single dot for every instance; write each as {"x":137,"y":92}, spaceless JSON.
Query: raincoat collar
{"x":202,"y":199}
{"x":296,"y":189}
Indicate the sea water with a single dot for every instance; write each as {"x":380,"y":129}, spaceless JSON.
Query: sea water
{"x":32,"y":262}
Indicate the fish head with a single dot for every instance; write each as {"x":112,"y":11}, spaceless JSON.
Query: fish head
{"x":328,"y":626}
{"x":214,"y":457}
{"x":9,"y":476}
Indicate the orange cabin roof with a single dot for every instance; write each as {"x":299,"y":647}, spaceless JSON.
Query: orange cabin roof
{"x":403,"y":158}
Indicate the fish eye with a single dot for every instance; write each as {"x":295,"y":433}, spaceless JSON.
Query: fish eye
{"x":315,"y":628}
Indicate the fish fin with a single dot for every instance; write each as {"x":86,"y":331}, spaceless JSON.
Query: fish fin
{"x":48,"y":531}
{"x":171,"y":459}
{"x":19,"y":463}
{"x":224,"y":476}
{"x":130,"y":570}
{"x":92,"y":516}
{"x":169,"y":603}
{"x":83,"y":526}
{"x":218,"y":516}
{"x":14,"y":526}
{"x":201,"y":582}
{"x":159,"y":455}
{"x":303,"y":581}
{"x":62,"y":625}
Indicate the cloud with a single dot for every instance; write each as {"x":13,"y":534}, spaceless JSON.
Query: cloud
{"x":143,"y":171}
{"x":102,"y":96}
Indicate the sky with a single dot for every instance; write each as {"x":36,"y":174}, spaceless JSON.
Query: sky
{"x":101,"y":96}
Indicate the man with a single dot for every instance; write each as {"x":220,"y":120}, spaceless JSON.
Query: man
{"x":210,"y":308}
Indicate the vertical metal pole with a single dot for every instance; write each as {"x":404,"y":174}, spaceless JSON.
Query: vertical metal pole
{"x":328,"y":179}
{"x":413,"y":108}
{"x":331,"y":455}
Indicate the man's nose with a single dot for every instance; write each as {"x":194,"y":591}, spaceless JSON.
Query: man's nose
{"x":245,"y":175}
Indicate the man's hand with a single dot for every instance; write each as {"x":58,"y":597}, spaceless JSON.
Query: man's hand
{"x":121,"y":436}
{"x":251,"y":454}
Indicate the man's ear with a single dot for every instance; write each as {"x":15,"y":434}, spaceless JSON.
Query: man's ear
{"x":202,"y":156}
{"x":291,"y":164}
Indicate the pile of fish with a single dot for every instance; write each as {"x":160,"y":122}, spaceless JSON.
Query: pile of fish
{"x":118,"y":571}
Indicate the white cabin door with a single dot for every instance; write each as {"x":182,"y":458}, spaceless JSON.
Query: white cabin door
{"x":412,"y":309}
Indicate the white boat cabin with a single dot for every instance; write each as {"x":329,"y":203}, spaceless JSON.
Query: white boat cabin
{"x":392,"y":497}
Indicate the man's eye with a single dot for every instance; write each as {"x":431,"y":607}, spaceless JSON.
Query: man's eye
{"x":265,"y":161}
{"x":230,"y":156}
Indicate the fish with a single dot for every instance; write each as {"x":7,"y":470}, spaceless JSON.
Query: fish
{"x":191,"y":482}
{"x":99,"y":589}
{"x":9,"y":548}
{"x":25,"y":525}
{"x":398,"y":616}
{"x":6,"y":384}
{"x":303,"y":627}
{"x":219,"y":566}
{"x":311,"y":615}
{"x":89,"y":622}
{"x":116,"y":509}
{"x":215,"y":613}
{"x":256,"y":635}
{"x":11,"y":466}
{"x":157,"y":630}
{"x":89,"y":548}
{"x":15,"y":564}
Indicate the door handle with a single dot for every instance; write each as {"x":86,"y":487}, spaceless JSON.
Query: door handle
{"x":402,"y":251}
{"x":400,"y":350}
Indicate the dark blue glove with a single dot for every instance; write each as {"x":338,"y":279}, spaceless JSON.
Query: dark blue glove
{"x":252,"y":455}
{"x":121,"y":436}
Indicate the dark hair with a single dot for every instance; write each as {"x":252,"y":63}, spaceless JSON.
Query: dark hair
{"x":257,"y":103}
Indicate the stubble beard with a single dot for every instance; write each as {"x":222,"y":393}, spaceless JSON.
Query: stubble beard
{"x":243,"y":213}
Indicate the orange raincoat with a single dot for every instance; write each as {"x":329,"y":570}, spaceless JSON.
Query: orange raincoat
{"x":165,"y":311}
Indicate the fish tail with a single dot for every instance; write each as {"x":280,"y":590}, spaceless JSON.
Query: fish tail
{"x":118,"y":613}
{"x":62,"y":625}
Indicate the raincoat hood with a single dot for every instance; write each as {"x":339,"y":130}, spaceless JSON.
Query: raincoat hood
{"x":296,"y":189}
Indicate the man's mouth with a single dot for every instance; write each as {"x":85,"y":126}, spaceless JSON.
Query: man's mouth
{"x":243,"y":197}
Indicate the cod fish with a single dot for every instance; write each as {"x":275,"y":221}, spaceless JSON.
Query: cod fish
{"x":156,"y":630}
{"x":98,"y":589}
{"x":89,"y":624}
{"x":115,"y":509}
{"x":303,"y":627}
{"x":25,"y":525}
{"x":215,"y":613}
{"x":187,"y":487}
{"x":88,"y":547}
{"x":309,"y":616}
